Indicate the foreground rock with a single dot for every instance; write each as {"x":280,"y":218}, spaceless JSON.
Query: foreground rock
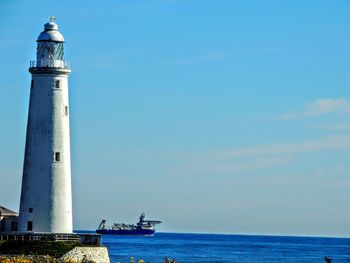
{"x":87,"y":254}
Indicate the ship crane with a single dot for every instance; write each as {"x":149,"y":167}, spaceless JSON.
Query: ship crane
{"x":102,"y":224}
{"x":152,"y":222}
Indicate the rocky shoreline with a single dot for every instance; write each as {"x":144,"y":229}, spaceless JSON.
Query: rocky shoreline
{"x":76,"y":255}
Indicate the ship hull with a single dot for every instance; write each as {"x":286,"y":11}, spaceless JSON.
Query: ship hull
{"x":134,"y":232}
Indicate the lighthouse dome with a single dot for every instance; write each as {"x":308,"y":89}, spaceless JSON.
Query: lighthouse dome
{"x":50,"y":33}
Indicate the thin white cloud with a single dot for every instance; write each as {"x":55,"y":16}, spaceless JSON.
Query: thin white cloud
{"x":234,"y":166}
{"x":261,"y":157}
{"x":328,"y":143}
{"x":340,"y":126}
{"x":321,"y":107}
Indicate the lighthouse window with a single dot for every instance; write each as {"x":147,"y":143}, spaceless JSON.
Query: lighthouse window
{"x":57,"y":84}
{"x":32,"y":84}
{"x":14,"y":226}
{"x":30,"y":226}
{"x":30,"y":210}
{"x":57,"y":156}
{"x":65,"y":110}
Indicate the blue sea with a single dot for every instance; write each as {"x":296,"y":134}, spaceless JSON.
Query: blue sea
{"x":196,"y":248}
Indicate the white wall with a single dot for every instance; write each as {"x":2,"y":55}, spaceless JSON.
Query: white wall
{"x":46,"y":184}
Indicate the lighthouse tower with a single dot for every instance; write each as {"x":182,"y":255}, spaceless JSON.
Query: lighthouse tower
{"x":46,"y":198}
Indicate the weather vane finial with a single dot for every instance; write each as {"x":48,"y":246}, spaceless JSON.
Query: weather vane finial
{"x":52,"y":18}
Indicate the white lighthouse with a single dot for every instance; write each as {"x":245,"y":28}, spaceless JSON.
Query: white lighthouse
{"x":46,"y":198}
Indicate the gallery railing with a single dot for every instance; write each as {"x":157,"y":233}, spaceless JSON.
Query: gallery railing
{"x":49,"y":63}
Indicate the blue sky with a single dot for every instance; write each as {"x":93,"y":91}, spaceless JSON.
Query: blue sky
{"x":212,"y":116}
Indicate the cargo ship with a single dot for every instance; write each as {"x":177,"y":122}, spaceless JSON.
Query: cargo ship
{"x":142,"y":228}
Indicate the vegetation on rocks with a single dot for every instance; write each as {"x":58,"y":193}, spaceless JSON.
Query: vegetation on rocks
{"x":55,"y":249}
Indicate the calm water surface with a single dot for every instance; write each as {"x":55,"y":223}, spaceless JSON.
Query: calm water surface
{"x":197,"y":248}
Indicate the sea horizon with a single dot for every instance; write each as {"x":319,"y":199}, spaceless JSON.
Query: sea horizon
{"x":235,"y":234}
